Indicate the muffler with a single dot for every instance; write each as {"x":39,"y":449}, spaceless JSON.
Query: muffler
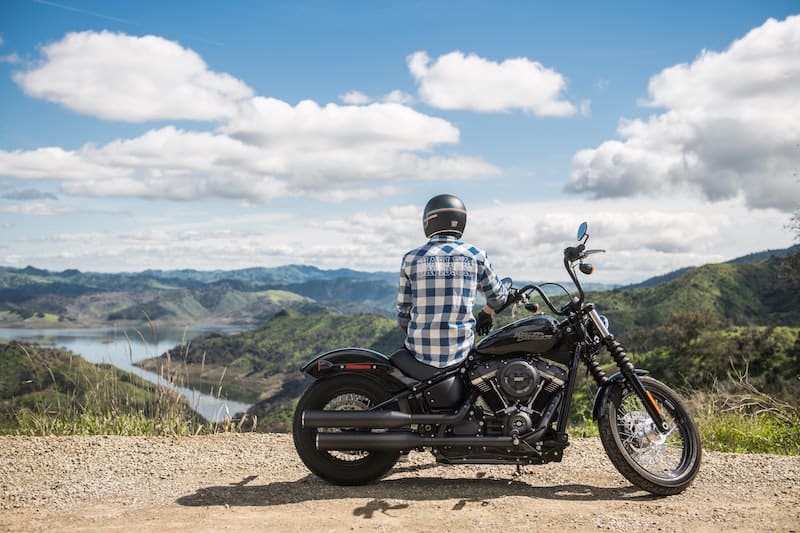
{"x":402,"y":441}
{"x":355,"y":419}
{"x":376,"y":419}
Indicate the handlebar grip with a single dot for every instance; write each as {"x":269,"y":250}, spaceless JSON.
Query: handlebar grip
{"x":533,"y":308}
{"x":513,"y":297}
{"x":573,"y":253}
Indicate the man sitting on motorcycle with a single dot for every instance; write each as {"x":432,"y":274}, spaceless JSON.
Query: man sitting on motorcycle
{"x":438,"y":284}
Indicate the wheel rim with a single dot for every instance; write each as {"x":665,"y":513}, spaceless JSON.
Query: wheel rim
{"x":351,"y":401}
{"x":664,"y":456}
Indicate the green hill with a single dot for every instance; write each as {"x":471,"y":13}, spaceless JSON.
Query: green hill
{"x":32,"y":297}
{"x":46,"y":391}
{"x":261,"y":366}
{"x":746,"y":294}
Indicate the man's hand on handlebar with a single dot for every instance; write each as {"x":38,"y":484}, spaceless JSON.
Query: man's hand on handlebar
{"x":484,"y":323}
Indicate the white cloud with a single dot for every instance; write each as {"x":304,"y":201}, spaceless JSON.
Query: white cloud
{"x":262,"y":148}
{"x":456,"y":81}
{"x":524,"y":240}
{"x":643,"y":238}
{"x":731,"y":126}
{"x":398,"y":97}
{"x":324,"y":146}
{"x":123,"y":77}
{"x":330,"y":153}
{"x":309,"y":126}
{"x":355,"y":98}
{"x":54,"y":163}
{"x":394,"y":97}
{"x":165,"y":163}
{"x":36,"y":209}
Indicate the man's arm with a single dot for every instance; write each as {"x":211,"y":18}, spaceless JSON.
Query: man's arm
{"x":404,"y":299}
{"x":491,"y":286}
{"x":496,"y":295}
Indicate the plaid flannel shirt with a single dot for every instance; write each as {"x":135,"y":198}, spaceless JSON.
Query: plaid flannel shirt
{"x":438,"y":285}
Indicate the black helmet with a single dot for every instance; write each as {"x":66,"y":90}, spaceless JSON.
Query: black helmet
{"x":444,"y":214}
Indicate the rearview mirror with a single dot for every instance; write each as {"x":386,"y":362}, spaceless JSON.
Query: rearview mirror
{"x":582,"y":230}
{"x":507,"y":282}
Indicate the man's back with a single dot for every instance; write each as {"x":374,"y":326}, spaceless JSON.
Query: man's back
{"x":438,"y":285}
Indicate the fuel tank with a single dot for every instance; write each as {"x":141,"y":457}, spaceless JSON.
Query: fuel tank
{"x":536,"y":334}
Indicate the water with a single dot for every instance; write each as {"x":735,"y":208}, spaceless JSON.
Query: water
{"x":122,"y":347}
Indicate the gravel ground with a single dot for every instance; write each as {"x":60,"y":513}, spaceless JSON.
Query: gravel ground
{"x":255,"y":482}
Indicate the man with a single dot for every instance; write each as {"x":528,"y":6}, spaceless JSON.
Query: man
{"x":438,"y":284}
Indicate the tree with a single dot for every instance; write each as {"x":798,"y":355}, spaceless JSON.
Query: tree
{"x":792,"y":265}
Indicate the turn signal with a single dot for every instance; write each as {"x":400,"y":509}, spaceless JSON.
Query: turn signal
{"x":587,"y":268}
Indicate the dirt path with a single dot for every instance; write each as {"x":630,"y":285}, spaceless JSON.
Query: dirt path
{"x":254,"y":482}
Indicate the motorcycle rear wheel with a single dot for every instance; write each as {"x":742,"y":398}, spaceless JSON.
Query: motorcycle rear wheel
{"x":660,"y":463}
{"x":352,"y":467}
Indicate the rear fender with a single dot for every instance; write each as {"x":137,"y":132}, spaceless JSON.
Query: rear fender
{"x":615,"y":380}
{"x":358,"y":361}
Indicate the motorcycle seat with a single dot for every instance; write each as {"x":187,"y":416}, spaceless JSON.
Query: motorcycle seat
{"x":411,"y":366}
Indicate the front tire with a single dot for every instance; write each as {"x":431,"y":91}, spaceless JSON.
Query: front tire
{"x":352,"y":467}
{"x":660,"y":463}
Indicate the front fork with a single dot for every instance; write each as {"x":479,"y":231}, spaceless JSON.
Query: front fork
{"x":626,"y":369}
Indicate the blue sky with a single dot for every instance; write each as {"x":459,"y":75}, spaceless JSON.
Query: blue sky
{"x":211,"y":135}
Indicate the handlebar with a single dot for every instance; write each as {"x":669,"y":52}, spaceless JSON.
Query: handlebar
{"x":527,"y":288}
{"x":572,"y":254}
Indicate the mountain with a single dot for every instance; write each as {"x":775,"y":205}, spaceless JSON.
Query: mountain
{"x":252,"y":278}
{"x":277,"y":275}
{"x":758,"y":292}
{"x":33,"y":297}
{"x":749,"y":258}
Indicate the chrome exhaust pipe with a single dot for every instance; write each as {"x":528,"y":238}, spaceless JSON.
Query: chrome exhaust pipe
{"x":356,"y":419}
{"x":377,"y":419}
{"x":403,"y":441}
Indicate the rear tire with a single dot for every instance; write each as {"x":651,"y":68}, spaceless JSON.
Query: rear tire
{"x":662,"y":464}
{"x":352,"y":467}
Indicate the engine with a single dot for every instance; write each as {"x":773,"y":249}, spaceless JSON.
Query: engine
{"x":517,"y":392}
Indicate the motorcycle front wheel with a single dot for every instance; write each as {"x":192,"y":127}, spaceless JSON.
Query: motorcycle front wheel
{"x":660,"y":463}
{"x":351,"y":467}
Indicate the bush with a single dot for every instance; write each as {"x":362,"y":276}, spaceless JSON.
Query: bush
{"x":737,"y":417}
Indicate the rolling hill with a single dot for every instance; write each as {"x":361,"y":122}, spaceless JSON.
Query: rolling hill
{"x":32,"y":297}
{"x":741,"y":293}
{"x":46,"y":389}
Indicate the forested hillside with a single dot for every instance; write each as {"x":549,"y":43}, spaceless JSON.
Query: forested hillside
{"x":261,"y":366}
{"x":755,"y":293}
{"x":46,"y":390}
{"x":32,"y":297}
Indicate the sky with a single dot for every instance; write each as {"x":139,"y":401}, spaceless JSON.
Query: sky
{"x":224,"y":135}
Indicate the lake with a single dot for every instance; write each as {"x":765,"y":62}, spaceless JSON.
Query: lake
{"x":122,"y":347}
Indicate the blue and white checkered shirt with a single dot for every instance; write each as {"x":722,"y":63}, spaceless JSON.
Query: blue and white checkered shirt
{"x":438,"y":285}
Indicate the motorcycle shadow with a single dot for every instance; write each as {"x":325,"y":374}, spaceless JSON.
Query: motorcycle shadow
{"x":481,"y":490}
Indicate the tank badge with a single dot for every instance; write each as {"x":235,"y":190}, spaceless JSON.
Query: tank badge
{"x":521,"y":336}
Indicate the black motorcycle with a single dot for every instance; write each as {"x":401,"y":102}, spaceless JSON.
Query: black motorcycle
{"x":507,"y":403}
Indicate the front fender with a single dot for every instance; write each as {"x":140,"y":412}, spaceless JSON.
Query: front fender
{"x":359,"y":361}
{"x":599,"y":408}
